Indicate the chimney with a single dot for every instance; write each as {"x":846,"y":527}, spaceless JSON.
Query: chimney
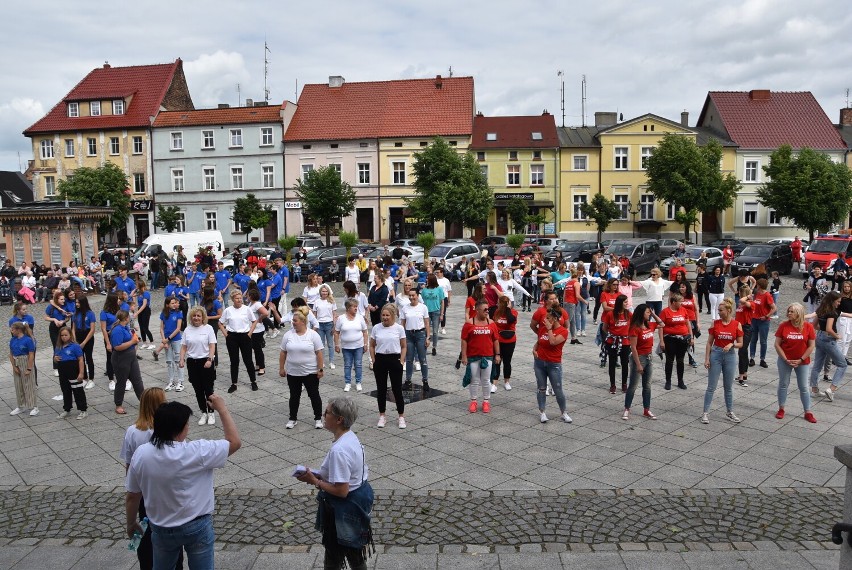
{"x":439,"y":83}
{"x":223,"y":106}
{"x":107,"y":65}
{"x":335,"y":81}
{"x":249,"y":102}
{"x":759,"y":94}
{"x":684,"y":118}
{"x":605,"y":118}
{"x":846,"y":117}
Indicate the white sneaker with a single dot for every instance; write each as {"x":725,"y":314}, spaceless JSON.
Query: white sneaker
{"x":705,"y":419}
{"x":371,"y":365}
{"x":203,"y":420}
{"x":401,"y":422}
{"x":63,"y":415}
{"x":358,"y":386}
{"x":347,"y":387}
{"x":417,"y":365}
{"x":829,"y":393}
{"x":169,"y":387}
{"x":549,"y":391}
{"x":331,"y":365}
{"x":128,"y":386}
{"x":179,"y":388}
{"x":56,"y":372}
{"x":733,"y":417}
{"x":291,"y":424}
{"x":150,"y":347}
{"x":443,"y":330}
{"x":57,"y":398}
{"x":34,"y":412}
{"x":381,"y":422}
{"x":82,"y":415}
{"x":566,"y":418}
{"x":90,"y":384}
{"x":626,"y":414}
{"x":275,"y":333}
{"x":16,"y":411}
{"x":543,"y":418}
{"x":318,"y":424}
{"x":507,"y":386}
{"x":112,"y":385}
{"x":493,"y":388}
{"x":582,"y":333}
{"x":211,"y":419}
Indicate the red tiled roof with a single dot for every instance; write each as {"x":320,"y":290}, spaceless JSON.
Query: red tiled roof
{"x":762,"y":119}
{"x":514,"y":132}
{"x":147,"y":84}
{"x":228,"y":116}
{"x":383,"y":109}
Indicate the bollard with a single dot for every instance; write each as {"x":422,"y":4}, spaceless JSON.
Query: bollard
{"x":843,"y":453}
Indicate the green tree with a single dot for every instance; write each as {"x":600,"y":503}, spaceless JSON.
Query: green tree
{"x":102,"y":186}
{"x":167,"y":218}
{"x":348,"y":240}
{"x":250,"y":214}
{"x":519,"y":212}
{"x":449,"y":187}
{"x":426,"y":240}
{"x":538,"y":220}
{"x":325,"y":197}
{"x":602,"y":211}
{"x":515,"y":241}
{"x":287,"y":243}
{"x":809,"y":189}
{"x":688,"y":176}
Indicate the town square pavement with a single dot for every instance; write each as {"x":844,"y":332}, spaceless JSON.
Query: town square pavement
{"x":456,"y":489}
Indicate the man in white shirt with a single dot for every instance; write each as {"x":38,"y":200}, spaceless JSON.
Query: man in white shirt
{"x":444,"y":284}
{"x":179,"y":515}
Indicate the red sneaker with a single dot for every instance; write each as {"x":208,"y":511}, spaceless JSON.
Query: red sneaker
{"x":810,"y":417}
{"x":612,"y":389}
{"x":473,"y":407}
{"x":486,"y":407}
{"x":779,"y":415}
{"x":648,"y":414}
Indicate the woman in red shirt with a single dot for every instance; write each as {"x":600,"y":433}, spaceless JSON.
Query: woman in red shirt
{"x":479,"y":348}
{"x":743,"y":316}
{"x":493,"y":292}
{"x":608,"y":296}
{"x":688,"y":303}
{"x":470,"y":311}
{"x":641,"y":346}
{"x":726,"y":336}
{"x":547,"y":362}
{"x":763,"y":306}
{"x":616,"y":329}
{"x":795,"y":341}
{"x":506,"y":318}
{"x":677,"y":339}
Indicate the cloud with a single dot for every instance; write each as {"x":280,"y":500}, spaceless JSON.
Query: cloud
{"x":15,"y":116}
{"x":213,"y":79}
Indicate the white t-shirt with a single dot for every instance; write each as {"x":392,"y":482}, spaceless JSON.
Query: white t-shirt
{"x":301,"y":352}
{"x":237,"y":320}
{"x":507,"y":286}
{"x":311,"y":294}
{"x":177,"y":480}
{"x":133,"y":438}
{"x":353,"y":274}
{"x":414,"y":316}
{"x":655,"y":291}
{"x":402,"y":301}
{"x":324,"y":310}
{"x":445,"y":284}
{"x":255,"y":311}
{"x":197,"y":341}
{"x":351,"y":331}
{"x":345,"y":462}
{"x":312,"y":320}
{"x":388,"y":338}
{"x":362,"y":302}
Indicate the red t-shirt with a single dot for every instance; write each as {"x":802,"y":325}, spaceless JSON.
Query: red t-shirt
{"x":689,"y":305}
{"x":723,"y":334}
{"x":794,"y":343}
{"x":492,"y":293}
{"x":480,"y":338}
{"x":744,"y":314}
{"x":503,"y":324}
{"x":675,"y":270}
{"x":677,"y":322}
{"x":541,"y":312}
{"x":470,"y":305}
{"x":644,"y":338}
{"x":547,"y":352}
{"x":760,"y":305}
{"x":608,"y":299}
{"x":570,"y":293}
{"x":617,"y":326}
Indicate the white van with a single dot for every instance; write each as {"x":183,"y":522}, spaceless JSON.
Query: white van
{"x":191,"y":242}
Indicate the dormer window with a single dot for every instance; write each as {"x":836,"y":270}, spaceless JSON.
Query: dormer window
{"x":491,"y":136}
{"x":536,"y":136}
{"x":118,"y":107}
{"x":95,"y":108}
{"x":73,"y":109}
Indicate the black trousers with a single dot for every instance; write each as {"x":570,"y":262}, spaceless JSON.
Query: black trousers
{"x":88,"y":351}
{"x":257,"y":344}
{"x":311,"y":384}
{"x":109,"y":371}
{"x":507,"y":350}
{"x":676,"y":348}
{"x":388,"y":366}
{"x":202,"y":380}
{"x":68,"y":371}
{"x":623,"y":355}
{"x":239,"y":344}
{"x":376,"y":316}
{"x":53,"y":331}
{"x":144,"y":320}
{"x":742,"y":353}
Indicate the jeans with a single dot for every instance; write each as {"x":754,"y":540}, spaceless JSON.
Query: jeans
{"x":416,"y":342}
{"x":570,"y":308}
{"x":172,"y":360}
{"x":802,"y":371}
{"x":656,"y":306}
{"x":646,"y":361}
{"x":352,"y":356}
{"x":326,"y":333}
{"x":827,"y":348}
{"x":579,"y":316}
{"x":194,"y":299}
{"x":196,"y":537}
{"x":724,"y":363}
{"x":759,"y":329}
{"x":155,"y":280}
{"x":434,"y":322}
{"x":552,"y":371}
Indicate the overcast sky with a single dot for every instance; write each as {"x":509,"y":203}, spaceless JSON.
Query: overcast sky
{"x":657,"y":57}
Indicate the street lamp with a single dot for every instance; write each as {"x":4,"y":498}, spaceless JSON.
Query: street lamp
{"x":634,"y":214}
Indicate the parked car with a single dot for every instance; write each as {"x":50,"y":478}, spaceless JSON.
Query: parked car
{"x":488,"y":240}
{"x":736,"y":244}
{"x":547,"y":244}
{"x":505,"y":252}
{"x":714,"y":257}
{"x":788,"y":241}
{"x":318,"y":260}
{"x":825,"y":248}
{"x":643,"y":253}
{"x":414,"y":254}
{"x":575,"y":250}
{"x":775,"y":257}
{"x":452,"y":252}
{"x":405,"y":242}
{"x":308,"y":242}
{"x":668,"y":246}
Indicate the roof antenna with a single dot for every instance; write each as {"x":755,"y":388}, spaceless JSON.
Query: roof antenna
{"x":562,"y":94}
{"x":265,"y":70}
{"x":451,"y":71}
{"x":239,"y":98}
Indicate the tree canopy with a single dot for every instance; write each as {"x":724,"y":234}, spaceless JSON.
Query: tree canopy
{"x":449,"y":186}
{"x":167,"y":218}
{"x":250,"y":214}
{"x":809,"y":189}
{"x":325,"y":197}
{"x":519,"y":213}
{"x":105,"y":185}
{"x":688,"y":176}
{"x":602,"y":211}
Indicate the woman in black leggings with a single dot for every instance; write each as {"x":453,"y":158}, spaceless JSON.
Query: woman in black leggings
{"x":83,"y":324}
{"x":387,"y":349}
{"x":143,"y":314}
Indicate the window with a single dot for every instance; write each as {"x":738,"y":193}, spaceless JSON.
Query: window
{"x":181,"y":222}
{"x":480,"y":155}
{"x":513,"y":175}
{"x":118,"y":107}
{"x":207,"y":139}
{"x":138,"y":183}
{"x":333,"y":145}
{"x":236,"y":178}
{"x":208,"y":174}
{"x":211,"y":221}
{"x":236,"y":137}
{"x":581,"y":162}
{"x":177,"y":140}
{"x":671,"y":211}
{"x":69,"y":147}
{"x":536,"y":136}
{"x":621,"y":201}
{"x":363,"y":173}
{"x":750,"y":213}
{"x":91,"y":146}
{"x":237,"y":228}
{"x":397,"y":145}
{"x":424,"y":143}
{"x":621,"y":157}
{"x":579,"y":201}
{"x":491,"y":136}
{"x":363,"y":145}
{"x":751,"y":169}
{"x":337,"y":167}
{"x":454,"y":143}
{"x":73,"y":109}
{"x":177,"y":179}
{"x":398,"y":172}
{"x":483,"y":168}
{"x":647,"y":151}
{"x":306,"y":170}
{"x":49,"y":186}
{"x":268,"y":175}
{"x":266,"y":136}
{"x":537,"y":175}
{"x":513,"y":155}
{"x":114,"y":145}
{"x":46,"y":149}
{"x":646,"y":207}
{"x":137,"y":145}
{"x":536,"y":155}
{"x":773,"y":218}
{"x":95,"y":108}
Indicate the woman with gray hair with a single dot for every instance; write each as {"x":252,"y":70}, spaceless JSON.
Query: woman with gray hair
{"x":345,"y":498}
{"x":350,"y":337}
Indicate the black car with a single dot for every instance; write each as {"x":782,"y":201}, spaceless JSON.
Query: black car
{"x":736,"y":244}
{"x":319,"y":260}
{"x":775,"y":257}
{"x":574,"y":251}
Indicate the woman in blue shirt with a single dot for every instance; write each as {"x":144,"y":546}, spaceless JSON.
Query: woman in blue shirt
{"x":124,"y":340}
{"x":83,"y":325}
{"x":433,"y":297}
{"x":171,"y":319}
{"x":68,"y":357}
{"x":107,"y":321}
{"x":194,"y":277}
{"x":22,"y":356}
{"x":57,"y":317}
{"x":20,"y":315}
{"x":143,"y":314}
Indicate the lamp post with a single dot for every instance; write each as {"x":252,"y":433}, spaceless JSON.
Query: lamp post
{"x":634,"y":214}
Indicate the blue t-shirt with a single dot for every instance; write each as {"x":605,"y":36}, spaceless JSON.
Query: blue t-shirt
{"x":277,"y":285}
{"x":176,"y":291}
{"x":108,"y":319}
{"x":29,"y":319}
{"x":421,"y":277}
{"x":69,"y":353}
{"x":119,"y":335}
{"x":194,"y":279}
{"x":125,"y":284}
{"x":216,"y":307}
{"x":284,"y":273}
{"x":84,"y":322}
{"x":125,"y":306}
{"x":262,"y":284}
{"x":71,"y":306}
{"x":222,"y":278}
{"x":170,"y":324}
{"x":54,"y":313}
{"x":146,"y":296}
{"x":21,"y":346}
{"x":241,"y":280}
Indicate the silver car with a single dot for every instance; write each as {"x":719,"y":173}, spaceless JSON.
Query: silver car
{"x":714,"y":257}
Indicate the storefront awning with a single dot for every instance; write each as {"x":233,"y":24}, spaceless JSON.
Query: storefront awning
{"x":532,"y":203}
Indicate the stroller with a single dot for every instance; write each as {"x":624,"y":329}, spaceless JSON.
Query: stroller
{"x":6,"y":296}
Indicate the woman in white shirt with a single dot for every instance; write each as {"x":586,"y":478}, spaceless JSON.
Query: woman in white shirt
{"x":300,"y":361}
{"x":258,"y":343}
{"x":350,"y":337}
{"x":508,"y":285}
{"x":312,"y":290}
{"x":352,"y":273}
{"x":325,"y":310}
{"x":237,"y":324}
{"x":387,"y":350}
{"x":360,"y":299}
{"x":655,"y":287}
{"x":197,"y":351}
{"x":414,"y":317}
